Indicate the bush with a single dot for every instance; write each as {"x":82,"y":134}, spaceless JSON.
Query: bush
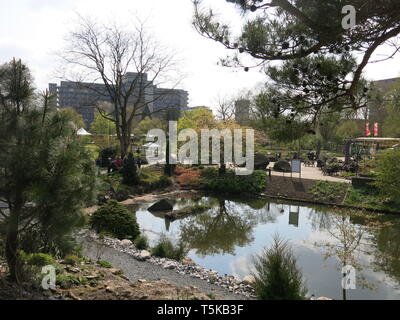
{"x":152,"y":178}
{"x":188,"y":176}
{"x":142,"y":242}
{"x":277,"y":277}
{"x":388,"y":174}
{"x":232,"y":183}
{"x":67,"y":281}
{"x":166,"y":249}
{"x":72,"y":260}
{"x":38,"y":259}
{"x":282,"y":166}
{"x":106,"y":153}
{"x":113,"y":218}
{"x":130,"y":171}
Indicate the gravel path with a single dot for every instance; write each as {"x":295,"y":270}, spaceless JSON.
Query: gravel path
{"x":136,"y":270}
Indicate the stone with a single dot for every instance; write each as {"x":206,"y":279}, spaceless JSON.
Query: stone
{"x":261,"y":161}
{"x":248,"y":279}
{"x":324,"y":299}
{"x":144,"y":255}
{"x":126,"y":243}
{"x":162,"y":205}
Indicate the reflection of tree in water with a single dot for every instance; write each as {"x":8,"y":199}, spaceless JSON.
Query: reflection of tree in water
{"x":387,"y":253}
{"x":320,"y":220}
{"x":350,"y":234}
{"x":221,"y":229}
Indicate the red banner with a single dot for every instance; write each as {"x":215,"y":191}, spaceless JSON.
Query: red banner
{"x":367,"y":131}
{"x":376,"y":129}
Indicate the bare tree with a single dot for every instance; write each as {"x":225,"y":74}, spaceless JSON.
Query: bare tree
{"x":225,"y":107}
{"x":126,"y":63}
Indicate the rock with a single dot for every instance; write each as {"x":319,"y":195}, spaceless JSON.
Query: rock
{"x":163,"y":205}
{"x":144,"y":255}
{"x":126,"y":243}
{"x":121,"y":195}
{"x":324,"y":299}
{"x":261,"y":161}
{"x":169,"y":266}
{"x":142,"y":281}
{"x":249,"y":280}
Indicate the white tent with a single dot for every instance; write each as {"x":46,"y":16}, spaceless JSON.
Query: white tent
{"x":83,"y":132}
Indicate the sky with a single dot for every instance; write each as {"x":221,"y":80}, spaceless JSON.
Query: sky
{"x":34,"y":30}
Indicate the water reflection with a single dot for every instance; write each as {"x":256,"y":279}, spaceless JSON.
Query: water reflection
{"x":227,"y":237}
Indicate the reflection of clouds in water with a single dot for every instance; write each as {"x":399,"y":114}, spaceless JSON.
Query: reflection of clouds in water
{"x":323,"y":277}
{"x":241,"y":266}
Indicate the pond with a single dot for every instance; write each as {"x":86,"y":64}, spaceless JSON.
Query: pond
{"x":226,"y":237}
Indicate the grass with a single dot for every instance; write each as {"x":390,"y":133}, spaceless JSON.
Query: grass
{"x":343,"y":193}
{"x":326,"y":191}
{"x":369,"y":198}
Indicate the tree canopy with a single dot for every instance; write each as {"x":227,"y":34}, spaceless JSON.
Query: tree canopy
{"x":318,"y":72}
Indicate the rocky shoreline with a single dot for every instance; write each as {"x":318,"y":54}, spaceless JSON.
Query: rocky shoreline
{"x":186,"y":267}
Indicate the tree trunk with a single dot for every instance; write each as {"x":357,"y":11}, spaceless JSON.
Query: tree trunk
{"x":318,"y":151}
{"x":347,"y":151}
{"x":222,"y":169}
{"x":11,"y":249}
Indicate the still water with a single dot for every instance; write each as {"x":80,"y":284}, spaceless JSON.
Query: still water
{"x":228,"y":236}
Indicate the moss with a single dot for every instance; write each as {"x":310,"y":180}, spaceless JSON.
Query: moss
{"x":104,"y":264}
{"x":67,"y":281}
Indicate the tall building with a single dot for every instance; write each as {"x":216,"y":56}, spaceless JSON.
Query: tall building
{"x":84,"y":97}
{"x":242,"y":111}
{"x":173,"y":100}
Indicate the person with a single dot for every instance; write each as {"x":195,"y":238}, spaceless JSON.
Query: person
{"x":119,"y":163}
{"x":109,"y":165}
{"x":138,"y":162}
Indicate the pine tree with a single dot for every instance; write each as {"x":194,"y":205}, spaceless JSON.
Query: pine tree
{"x":46,"y":175}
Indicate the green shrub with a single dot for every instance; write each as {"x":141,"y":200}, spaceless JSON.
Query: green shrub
{"x":142,"y":242}
{"x":104,"y":264}
{"x":67,"y":281}
{"x":130,"y":171}
{"x":113,"y":218}
{"x":166,"y":249}
{"x":72,"y":260}
{"x":277,"y":277}
{"x":38,"y":259}
{"x":106,"y":153}
{"x":388,"y":174}
{"x":282,"y":166}
{"x":232,"y":183}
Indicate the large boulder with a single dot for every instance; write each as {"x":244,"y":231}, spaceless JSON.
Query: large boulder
{"x":163,"y":205}
{"x":282,"y":166}
{"x":261,"y":161}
